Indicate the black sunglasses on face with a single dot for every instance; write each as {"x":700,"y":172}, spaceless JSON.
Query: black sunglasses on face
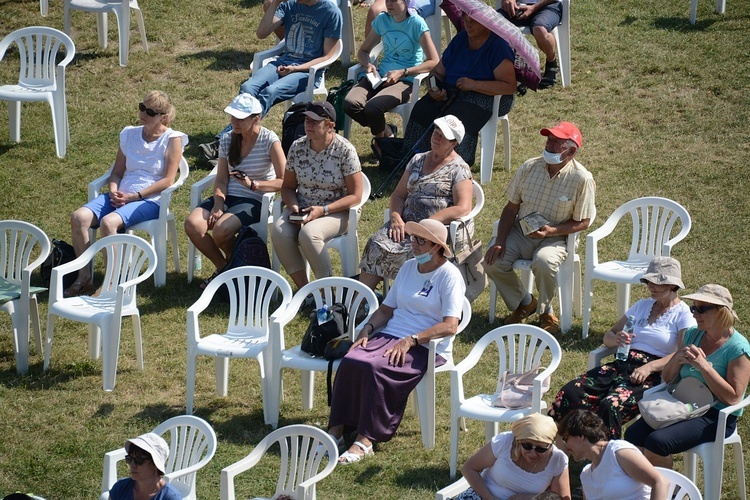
{"x":538,"y":449}
{"x":130,"y":459}
{"x":702,"y":309}
{"x":150,"y":112}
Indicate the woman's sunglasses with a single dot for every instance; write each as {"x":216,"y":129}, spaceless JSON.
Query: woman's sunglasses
{"x":702,"y":309}
{"x":417,"y":239}
{"x":538,"y":449}
{"x":130,"y":459}
{"x":150,"y":112}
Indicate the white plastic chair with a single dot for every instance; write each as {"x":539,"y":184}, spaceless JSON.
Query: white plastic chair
{"x":425,"y":400}
{"x":654,"y":223}
{"x":300,"y":461}
{"x":488,"y":137}
{"x":452,"y":490}
{"x":196,"y":197}
{"x":251,"y":295}
{"x":680,"y":487}
{"x":597,"y":356}
{"x":331,"y":290}
{"x":130,"y":260}
{"x":266,"y":56}
{"x":346,"y":244}
{"x":160,"y":230}
{"x":453,"y":227}
{"x":568,"y":282}
{"x":192,"y":444}
{"x":23,"y":248}
{"x":721,"y":8}
{"x":121,"y":10}
{"x":403,"y":110}
{"x":520,"y":348}
{"x":40,"y":79}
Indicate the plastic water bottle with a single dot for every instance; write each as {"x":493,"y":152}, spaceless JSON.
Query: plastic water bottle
{"x":197,"y":264}
{"x":624,"y":350}
{"x":691,"y":407}
{"x":323,"y":314}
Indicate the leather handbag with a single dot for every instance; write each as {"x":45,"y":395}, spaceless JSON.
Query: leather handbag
{"x":517,"y":388}
{"x":688,"y":399}
{"x":470,"y":261}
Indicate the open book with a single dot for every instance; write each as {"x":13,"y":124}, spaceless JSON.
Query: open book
{"x":532,"y":222}
{"x":374,"y":79}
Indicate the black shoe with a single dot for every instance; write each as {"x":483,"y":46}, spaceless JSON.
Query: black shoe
{"x":549,"y":79}
{"x":210,"y":150}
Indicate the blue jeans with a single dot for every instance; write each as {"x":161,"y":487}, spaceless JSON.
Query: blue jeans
{"x":266,"y":85}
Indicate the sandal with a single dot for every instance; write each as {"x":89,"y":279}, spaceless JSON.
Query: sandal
{"x":209,"y":279}
{"x":79,"y":288}
{"x":349,"y":458}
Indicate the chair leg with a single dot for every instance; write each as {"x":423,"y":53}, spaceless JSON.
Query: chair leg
{"x":623,"y":298}
{"x":740,"y":464}
{"x":44,"y":7}
{"x":577,"y":302}
{"x":190,"y":262}
{"x":19,"y":316}
{"x":588,"y":295}
{"x":505,"y":121}
{"x":172,"y":233}
{"x":48,"y":343}
{"x":308,"y":384}
{"x":222,"y":375}
{"x":454,"y":445}
{"x":721,"y":6}
{"x":111,"y":352}
{"x":693,"y":11}
{"x":138,"y":341}
{"x":95,"y":342}
{"x":159,"y":242}
{"x":58,"y":128}
{"x":14,"y":116}
{"x":141,"y":25}
{"x":102,"y":26}
{"x":123,"y":28}
{"x":488,"y":139}
{"x":190,"y":382}
{"x":425,"y":399}
{"x":35,"y":324}
{"x":493,"y":301}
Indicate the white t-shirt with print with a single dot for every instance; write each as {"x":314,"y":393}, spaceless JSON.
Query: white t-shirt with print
{"x":659,"y":338}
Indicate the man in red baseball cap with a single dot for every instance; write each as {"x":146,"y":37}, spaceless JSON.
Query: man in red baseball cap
{"x":549,"y":197}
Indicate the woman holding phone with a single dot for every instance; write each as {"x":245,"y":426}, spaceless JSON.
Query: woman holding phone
{"x":251,"y":162}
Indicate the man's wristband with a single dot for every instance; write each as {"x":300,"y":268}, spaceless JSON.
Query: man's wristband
{"x":140,"y":196}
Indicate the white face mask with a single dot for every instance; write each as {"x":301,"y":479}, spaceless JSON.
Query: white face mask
{"x":552,"y":158}
{"x":423,"y":258}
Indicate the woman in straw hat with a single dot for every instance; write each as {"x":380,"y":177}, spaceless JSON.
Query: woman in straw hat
{"x":146,"y":456}
{"x":614,"y":389}
{"x":717,"y":355}
{"x":389,"y":357}
{"x":616,"y":469}
{"x":519,"y":463}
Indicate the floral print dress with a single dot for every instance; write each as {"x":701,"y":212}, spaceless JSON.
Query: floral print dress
{"x":427,"y":194}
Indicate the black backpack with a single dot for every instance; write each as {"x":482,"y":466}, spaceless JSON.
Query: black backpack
{"x":61,"y":253}
{"x":249,"y":250}
{"x":293,"y":125}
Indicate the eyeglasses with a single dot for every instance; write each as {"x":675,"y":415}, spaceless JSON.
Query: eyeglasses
{"x":130,"y":459}
{"x":150,"y":112}
{"x":538,"y":449}
{"x":565,"y":439}
{"x":702,"y":309}
{"x":417,"y":239}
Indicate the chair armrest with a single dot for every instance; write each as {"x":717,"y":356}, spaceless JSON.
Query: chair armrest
{"x":453,"y":489}
{"x":196,"y":190}
{"x":322,"y":64}
{"x":56,"y":279}
{"x":596,"y":356}
{"x":97,"y":184}
{"x":109,"y":477}
{"x":261,"y":58}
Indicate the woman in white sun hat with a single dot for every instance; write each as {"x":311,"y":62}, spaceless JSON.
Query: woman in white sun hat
{"x":146,"y":456}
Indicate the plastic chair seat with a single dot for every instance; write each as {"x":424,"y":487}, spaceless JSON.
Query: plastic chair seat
{"x":231,"y":345}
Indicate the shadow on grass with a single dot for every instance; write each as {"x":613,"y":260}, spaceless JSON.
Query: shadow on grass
{"x":38,"y":380}
{"x":682,"y":24}
{"x":421,"y":477}
{"x":221,"y":60}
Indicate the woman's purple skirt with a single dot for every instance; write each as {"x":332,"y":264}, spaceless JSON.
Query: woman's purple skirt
{"x":369,"y":395}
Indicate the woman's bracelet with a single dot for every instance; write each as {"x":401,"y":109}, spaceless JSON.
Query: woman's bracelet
{"x":372,"y":327}
{"x":140,"y":196}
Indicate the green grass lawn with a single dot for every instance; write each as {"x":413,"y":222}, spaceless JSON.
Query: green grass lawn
{"x":663,"y":107}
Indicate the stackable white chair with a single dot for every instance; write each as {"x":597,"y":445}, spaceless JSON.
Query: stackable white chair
{"x":41,"y":78}
{"x":655,"y":221}
{"x":130,"y":260}
{"x":196,"y":197}
{"x":353,"y":294}
{"x":520,"y":348}
{"x":251,"y":293}
{"x":568,"y":282}
{"x":23,"y":248}
{"x":721,"y":8}
{"x":301,"y":462}
{"x":192,"y":444}
{"x":453,"y":227}
{"x":121,"y":10}
{"x":680,"y":487}
{"x":403,"y":110}
{"x":160,"y":230}
{"x":425,"y":400}
{"x":346,"y":244}
{"x":266,"y":56}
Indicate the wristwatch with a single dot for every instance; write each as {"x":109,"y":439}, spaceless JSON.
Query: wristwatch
{"x":416,"y":339}
{"x":325,"y":209}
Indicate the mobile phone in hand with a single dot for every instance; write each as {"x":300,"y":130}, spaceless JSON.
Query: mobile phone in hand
{"x":299,"y":216}
{"x":433,"y":84}
{"x":238,"y":174}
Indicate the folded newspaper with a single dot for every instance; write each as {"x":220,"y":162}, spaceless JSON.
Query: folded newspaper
{"x":532,"y":222}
